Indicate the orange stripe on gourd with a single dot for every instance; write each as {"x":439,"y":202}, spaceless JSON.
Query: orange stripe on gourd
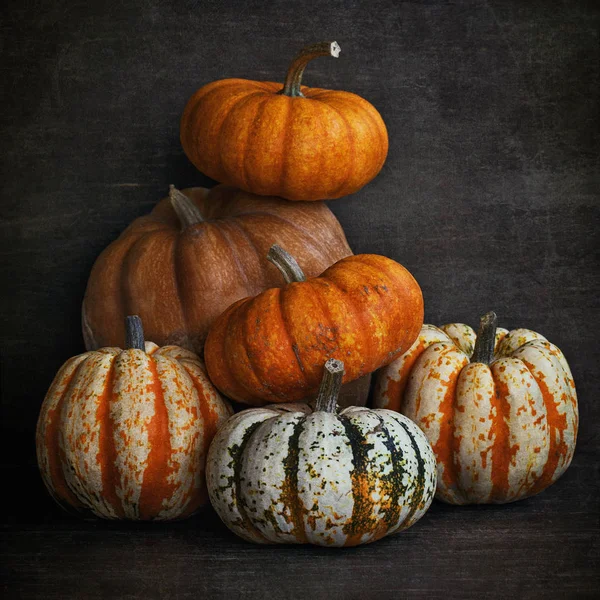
{"x":129,"y":439}
{"x":527,"y":438}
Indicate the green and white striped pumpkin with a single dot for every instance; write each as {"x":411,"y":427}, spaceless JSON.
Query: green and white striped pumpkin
{"x":288,"y":474}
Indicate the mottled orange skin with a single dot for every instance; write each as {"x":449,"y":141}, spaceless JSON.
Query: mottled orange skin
{"x":501,"y":431}
{"x":178,"y":281}
{"x":365,"y":310}
{"x":123,"y":434}
{"x":325,"y":145}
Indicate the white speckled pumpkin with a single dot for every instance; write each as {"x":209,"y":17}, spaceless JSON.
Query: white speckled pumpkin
{"x":288,"y":474}
{"x":499,"y":408}
{"x":123,"y":434}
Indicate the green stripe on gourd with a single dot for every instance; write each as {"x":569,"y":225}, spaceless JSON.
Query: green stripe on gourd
{"x":296,"y":476}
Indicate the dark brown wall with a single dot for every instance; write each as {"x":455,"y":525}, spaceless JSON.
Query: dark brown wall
{"x":490,"y":194}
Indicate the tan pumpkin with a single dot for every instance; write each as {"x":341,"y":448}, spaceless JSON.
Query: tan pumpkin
{"x":195,"y":254}
{"x":499,"y":408}
{"x":123,"y":434}
{"x":285,"y":140}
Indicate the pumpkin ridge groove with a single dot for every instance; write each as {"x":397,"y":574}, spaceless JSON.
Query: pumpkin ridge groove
{"x":218,"y":135}
{"x":107,"y":451}
{"x":158,"y":467}
{"x":283,"y":168}
{"x":249,"y":352}
{"x":501,"y":452}
{"x":364,"y":329}
{"x":199,"y":105}
{"x":239,"y":348}
{"x":118,"y":298}
{"x":352,"y":145}
{"x":237,"y":452}
{"x":128,"y":304}
{"x":445,"y":445}
{"x":209,"y":420}
{"x":233,"y":253}
{"x":326,"y":313}
{"x":51,"y":442}
{"x":229,"y":364}
{"x":247,"y":146}
{"x":235,"y":221}
{"x":289,"y":492}
{"x":359,"y":103}
{"x":208,"y":415}
{"x":178,"y":283}
{"x":557,"y":424}
{"x":419,"y":480}
{"x":362,"y":521}
{"x":72,"y":412}
{"x":285,"y":322}
{"x":393,"y":482}
{"x":319,"y":167}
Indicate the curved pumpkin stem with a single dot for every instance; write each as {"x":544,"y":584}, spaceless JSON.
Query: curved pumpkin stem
{"x":486,"y":339}
{"x":286,"y":263}
{"x":333,"y":374}
{"x":134,"y":333}
{"x":187,"y":212}
{"x":293,"y":79}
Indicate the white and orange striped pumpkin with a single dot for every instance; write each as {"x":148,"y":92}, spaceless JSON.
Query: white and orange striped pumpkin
{"x":123,"y":434}
{"x":288,"y":474}
{"x":499,"y":409}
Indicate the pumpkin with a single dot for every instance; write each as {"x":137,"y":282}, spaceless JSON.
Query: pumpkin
{"x":288,"y":474}
{"x":285,"y":140}
{"x":123,"y":434}
{"x":196,"y":253}
{"x":364,"y":310}
{"x":500,"y":413}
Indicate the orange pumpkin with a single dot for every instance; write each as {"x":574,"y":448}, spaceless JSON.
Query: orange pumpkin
{"x":123,"y":434}
{"x":196,"y":253}
{"x":291,"y":141}
{"x":364,"y":310}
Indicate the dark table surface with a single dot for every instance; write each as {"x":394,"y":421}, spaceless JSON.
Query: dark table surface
{"x":489,"y":196}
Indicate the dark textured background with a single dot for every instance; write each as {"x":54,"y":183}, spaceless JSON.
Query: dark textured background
{"x":490,"y":196}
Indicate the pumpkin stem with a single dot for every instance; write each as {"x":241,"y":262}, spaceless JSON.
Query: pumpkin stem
{"x":330,"y":386}
{"x":486,"y":339}
{"x":134,"y":333}
{"x":187,"y":212}
{"x":293,"y":78}
{"x":286,"y":263}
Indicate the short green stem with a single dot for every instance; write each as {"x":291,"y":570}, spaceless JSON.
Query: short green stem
{"x":293,"y":79}
{"x":333,"y":373}
{"x":486,"y":339}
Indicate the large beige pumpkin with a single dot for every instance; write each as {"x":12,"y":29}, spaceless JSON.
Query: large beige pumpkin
{"x":123,"y":434}
{"x":499,"y":408}
{"x":288,"y":474}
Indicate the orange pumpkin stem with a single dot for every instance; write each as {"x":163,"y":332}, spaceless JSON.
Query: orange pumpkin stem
{"x":486,"y":339}
{"x":293,"y":78}
{"x":134,"y":333}
{"x":286,"y":263}
{"x":330,"y":386}
{"x":187,"y":212}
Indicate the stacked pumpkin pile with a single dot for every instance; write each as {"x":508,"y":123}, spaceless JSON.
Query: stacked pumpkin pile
{"x":253,"y":294}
